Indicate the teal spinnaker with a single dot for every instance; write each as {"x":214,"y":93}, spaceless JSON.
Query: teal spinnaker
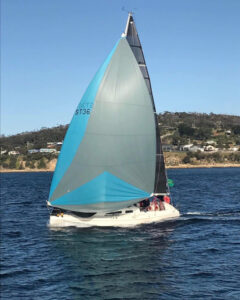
{"x":104,"y":188}
{"x":78,"y":125}
{"x":108,"y":158}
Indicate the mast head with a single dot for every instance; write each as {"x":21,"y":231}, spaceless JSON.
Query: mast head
{"x":129,"y":20}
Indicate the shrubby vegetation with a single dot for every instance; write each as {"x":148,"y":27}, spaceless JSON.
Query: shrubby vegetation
{"x":182,"y":128}
{"x":199,"y":120}
{"x":33,"y":140}
{"x":176,"y":128}
{"x":215,"y":157}
{"x":32,"y":161}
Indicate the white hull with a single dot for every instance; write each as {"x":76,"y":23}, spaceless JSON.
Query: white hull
{"x":136,"y":217}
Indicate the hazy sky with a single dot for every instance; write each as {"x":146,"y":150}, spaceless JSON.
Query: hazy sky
{"x":51,"y":49}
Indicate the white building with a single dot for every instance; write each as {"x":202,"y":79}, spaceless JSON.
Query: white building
{"x":33,"y":151}
{"x":228,"y":132}
{"x":13,"y":153}
{"x":186,"y":147}
{"x":210,"y":142}
{"x":210,"y":148}
{"x":234,"y":149}
{"x":46,"y":150}
{"x":196,"y":149}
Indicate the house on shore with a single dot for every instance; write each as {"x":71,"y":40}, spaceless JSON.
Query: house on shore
{"x":191,"y":148}
{"x":185,"y":147}
{"x":234,"y":149}
{"x":212,"y":143}
{"x":47,"y":150}
{"x":51,"y":145}
{"x":168,"y":148}
{"x":195,"y":148}
{"x":13,"y":152}
{"x":31,"y":151}
{"x":210,"y":148}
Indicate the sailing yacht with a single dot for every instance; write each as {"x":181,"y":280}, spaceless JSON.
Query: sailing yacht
{"x":112,"y":159}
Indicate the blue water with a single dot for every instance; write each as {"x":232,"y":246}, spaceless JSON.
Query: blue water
{"x":195,"y":257}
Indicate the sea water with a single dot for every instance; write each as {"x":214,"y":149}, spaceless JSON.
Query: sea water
{"x":194,"y":257}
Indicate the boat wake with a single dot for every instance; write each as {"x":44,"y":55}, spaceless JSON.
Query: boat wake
{"x":222,"y":216}
{"x":193,"y":213}
{"x":221,"y":213}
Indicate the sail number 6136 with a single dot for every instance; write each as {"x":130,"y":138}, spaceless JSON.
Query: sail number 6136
{"x":82,"y":111}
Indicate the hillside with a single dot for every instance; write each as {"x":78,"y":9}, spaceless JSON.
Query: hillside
{"x":182,"y":128}
{"x":40,"y":149}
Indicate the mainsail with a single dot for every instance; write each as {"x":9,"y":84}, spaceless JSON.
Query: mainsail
{"x":131,"y":34}
{"x":111,"y":156}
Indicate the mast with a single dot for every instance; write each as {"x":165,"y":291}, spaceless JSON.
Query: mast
{"x":131,"y":34}
{"x":116,"y":118}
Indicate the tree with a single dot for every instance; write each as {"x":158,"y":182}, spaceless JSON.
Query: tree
{"x":187,"y":159}
{"x":175,"y":139}
{"x":236,"y":129}
{"x":32,"y":165}
{"x":203,"y":133}
{"x":12,"y":162}
{"x":20,"y":166}
{"x":5,"y":165}
{"x":185,"y":130}
{"x":41,"y":164}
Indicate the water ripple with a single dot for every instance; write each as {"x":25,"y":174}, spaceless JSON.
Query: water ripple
{"x":194,"y":257}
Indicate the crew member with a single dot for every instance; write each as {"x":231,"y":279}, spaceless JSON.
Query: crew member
{"x":167,"y":199}
{"x":161,"y":204}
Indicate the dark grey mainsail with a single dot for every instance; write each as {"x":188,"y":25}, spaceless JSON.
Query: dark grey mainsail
{"x":161,"y":186}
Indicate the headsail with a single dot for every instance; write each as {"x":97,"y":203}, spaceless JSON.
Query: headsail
{"x":161,"y":186}
{"x":108,"y":158}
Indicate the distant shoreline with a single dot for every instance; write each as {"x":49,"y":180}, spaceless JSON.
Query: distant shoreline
{"x":187,"y":166}
{"x":180,"y":166}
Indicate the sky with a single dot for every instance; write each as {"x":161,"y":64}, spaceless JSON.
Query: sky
{"x":50,"y":51}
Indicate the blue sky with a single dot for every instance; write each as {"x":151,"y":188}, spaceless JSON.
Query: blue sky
{"x":50,"y":51}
